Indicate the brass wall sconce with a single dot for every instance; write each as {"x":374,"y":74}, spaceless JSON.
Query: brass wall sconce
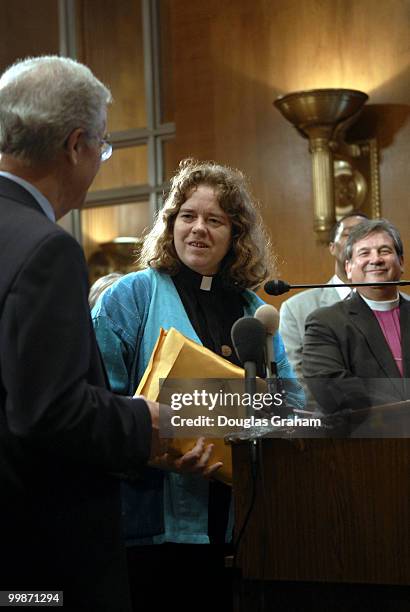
{"x":345,"y":174}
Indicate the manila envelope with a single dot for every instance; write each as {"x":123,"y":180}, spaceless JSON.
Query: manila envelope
{"x":177,"y":357}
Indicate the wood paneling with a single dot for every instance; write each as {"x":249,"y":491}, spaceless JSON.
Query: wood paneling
{"x":340,"y":510}
{"x":232,"y":58}
{"x":110,"y":43}
{"x":27,"y":28}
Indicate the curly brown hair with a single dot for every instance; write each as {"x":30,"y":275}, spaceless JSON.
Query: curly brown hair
{"x":249,"y":261}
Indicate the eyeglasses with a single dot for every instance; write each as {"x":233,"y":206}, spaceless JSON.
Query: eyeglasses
{"x":105,"y":150}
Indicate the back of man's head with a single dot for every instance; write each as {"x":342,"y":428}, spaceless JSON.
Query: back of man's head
{"x":352,"y":216}
{"x":42,"y":100}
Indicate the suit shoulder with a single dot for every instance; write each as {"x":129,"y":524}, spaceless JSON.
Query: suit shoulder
{"x":326,"y":313}
{"x":56,"y":240}
{"x":309,"y":297}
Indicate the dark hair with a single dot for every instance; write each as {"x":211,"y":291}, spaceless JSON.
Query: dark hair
{"x":355,"y":213}
{"x":372,"y":226}
{"x":248,"y":262}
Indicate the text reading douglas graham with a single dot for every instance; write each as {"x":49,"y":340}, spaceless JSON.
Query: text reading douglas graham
{"x":244,"y":422}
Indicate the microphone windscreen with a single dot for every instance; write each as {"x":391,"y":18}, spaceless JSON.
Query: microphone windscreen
{"x":248,"y":338}
{"x":269,"y":317}
{"x":276,"y":287}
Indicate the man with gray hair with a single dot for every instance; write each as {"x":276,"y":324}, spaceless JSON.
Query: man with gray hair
{"x":352,"y":345}
{"x":63,"y":434}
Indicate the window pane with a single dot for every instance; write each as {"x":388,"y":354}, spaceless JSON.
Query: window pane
{"x":165,"y":58}
{"x":126,"y":167}
{"x":110,"y":42}
{"x":105,"y":223}
{"x":170,"y":159}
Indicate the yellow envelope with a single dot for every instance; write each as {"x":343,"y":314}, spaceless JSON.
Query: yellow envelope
{"x":175,"y":356}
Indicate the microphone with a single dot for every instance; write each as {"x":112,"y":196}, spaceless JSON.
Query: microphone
{"x":248,"y":339}
{"x":278,"y":287}
{"x":269,"y":317}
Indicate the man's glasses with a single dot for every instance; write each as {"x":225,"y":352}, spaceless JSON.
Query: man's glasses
{"x":105,"y":150}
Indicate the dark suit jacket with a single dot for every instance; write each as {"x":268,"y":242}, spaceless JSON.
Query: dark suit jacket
{"x":347,"y":362}
{"x":62,"y":434}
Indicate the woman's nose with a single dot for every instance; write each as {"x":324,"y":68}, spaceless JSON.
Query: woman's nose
{"x":199,"y":225}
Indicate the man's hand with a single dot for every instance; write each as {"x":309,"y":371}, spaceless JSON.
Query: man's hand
{"x":195,"y":461}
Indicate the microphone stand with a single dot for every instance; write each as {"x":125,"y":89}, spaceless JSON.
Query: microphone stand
{"x":271,"y":377}
{"x":279,"y":287}
{"x":250,"y":387}
{"x":250,"y":380}
{"x":377,"y":284}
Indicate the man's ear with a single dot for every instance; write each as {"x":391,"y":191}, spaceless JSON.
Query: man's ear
{"x":74,"y":144}
{"x":348,"y":269}
{"x":332,"y":248}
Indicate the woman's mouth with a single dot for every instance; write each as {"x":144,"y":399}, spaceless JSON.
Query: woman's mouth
{"x":198,"y":245}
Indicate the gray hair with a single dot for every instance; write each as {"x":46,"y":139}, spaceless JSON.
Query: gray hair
{"x":42,"y":100}
{"x":372,"y":226}
{"x":100,"y":286}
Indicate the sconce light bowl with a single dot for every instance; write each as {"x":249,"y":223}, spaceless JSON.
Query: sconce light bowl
{"x":320,"y":108}
{"x":323,"y":115}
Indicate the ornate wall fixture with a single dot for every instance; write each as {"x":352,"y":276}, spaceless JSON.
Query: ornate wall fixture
{"x":345,"y":174}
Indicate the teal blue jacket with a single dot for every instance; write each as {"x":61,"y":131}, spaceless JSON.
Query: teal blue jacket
{"x":159,"y":506}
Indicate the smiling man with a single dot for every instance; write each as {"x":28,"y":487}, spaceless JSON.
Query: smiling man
{"x":365,"y":338}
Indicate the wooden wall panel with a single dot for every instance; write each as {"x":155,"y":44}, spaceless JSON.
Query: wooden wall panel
{"x":109,"y":37}
{"x":232,"y":58}
{"x":27,"y":28}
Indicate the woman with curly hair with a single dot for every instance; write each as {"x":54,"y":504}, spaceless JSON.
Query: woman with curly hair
{"x":205,"y":254}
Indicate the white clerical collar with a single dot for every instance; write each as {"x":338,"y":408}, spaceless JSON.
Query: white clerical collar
{"x":206,"y":283}
{"x":383,"y":305}
{"x":343,"y":292}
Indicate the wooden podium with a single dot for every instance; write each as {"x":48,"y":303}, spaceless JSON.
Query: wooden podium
{"x":331,"y":520}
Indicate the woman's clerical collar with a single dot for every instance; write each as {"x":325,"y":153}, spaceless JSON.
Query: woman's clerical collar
{"x":194,"y":279}
{"x":206,"y":283}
